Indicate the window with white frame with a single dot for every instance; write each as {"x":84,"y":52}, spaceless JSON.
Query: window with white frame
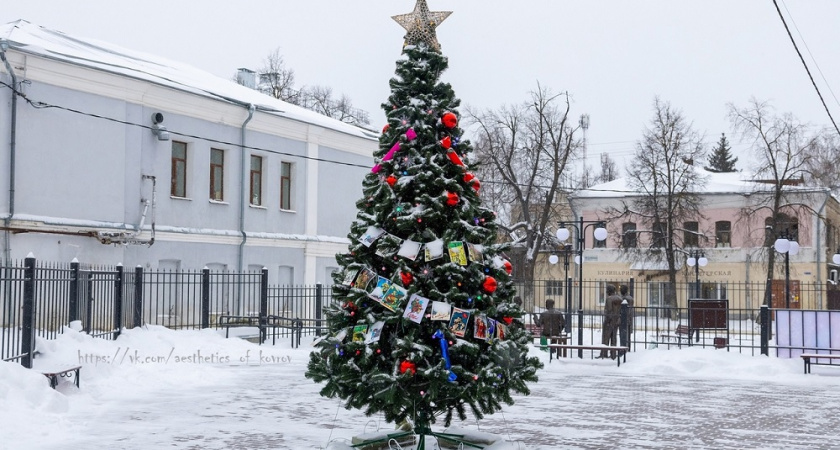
{"x":286,"y":186}
{"x":256,"y":180}
{"x":179,"y":170}
{"x":217,"y":174}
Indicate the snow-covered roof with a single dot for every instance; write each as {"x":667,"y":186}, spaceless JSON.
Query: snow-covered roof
{"x":715,"y":183}
{"x":26,"y":37}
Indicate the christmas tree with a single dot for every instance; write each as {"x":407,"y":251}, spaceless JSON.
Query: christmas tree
{"x":423,"y":326}
{"x":721,"y":160}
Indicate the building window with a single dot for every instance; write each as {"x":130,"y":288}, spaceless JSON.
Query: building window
{"x":179,"y":170}
{"x":691,"y":234}
{"x":286,"y":186}
{"x":723,"y":233}
{"x":628,"y":235}
{"x":554,"y":288}
{"x":256,"y":180}
{"x":659,"y":233}
{"x":217,"y":174}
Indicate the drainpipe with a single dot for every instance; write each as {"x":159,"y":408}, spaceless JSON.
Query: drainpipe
{"x":7,"y":257}
{"x":243,"y":200}
{"x":819,"y":252}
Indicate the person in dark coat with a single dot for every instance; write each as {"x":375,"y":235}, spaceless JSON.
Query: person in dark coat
{"x":552,"y":323}
{"x":623,"y":290}
{"x":612,"y":318}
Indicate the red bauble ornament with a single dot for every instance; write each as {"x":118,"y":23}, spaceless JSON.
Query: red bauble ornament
{"x":507,"y":320}
{"x":476,"y":184}
{"x":407,"y":278}
{"x":452,"y":198}
{"x":446,"y":142}
{"x":391,"y":180}
{"x":408,"y":365}
{"x":385,"y":128}
{"x":508,"y":267}
{"x":469,"y":176}
{"x":490,"y":285}
{"x":454,"y":158}
{"x":449,"y":120}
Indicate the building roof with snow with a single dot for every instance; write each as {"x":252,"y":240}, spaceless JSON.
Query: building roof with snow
{"x":27,"y":37}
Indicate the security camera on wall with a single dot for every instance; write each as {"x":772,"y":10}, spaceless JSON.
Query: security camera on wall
{"x":158,"y":129}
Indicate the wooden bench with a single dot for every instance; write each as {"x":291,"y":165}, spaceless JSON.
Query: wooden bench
{"x":680,"y":333}
{"x":230,"y":321}
{"x":534,"y":329}
{"x":621,"y":352}
{"x":55,"y":372}
{"x":809,"y":358}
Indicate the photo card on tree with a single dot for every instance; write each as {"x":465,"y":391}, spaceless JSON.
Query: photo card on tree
{"x":491,"y":328}
{"x":501,"y":331}
{"x":480,"y":328}
{"x":434,"y":250}
{"x":382,"y":285}
{"x":387,"y":245}
{"x":364,"y":278}
{"x":371,"y":235}
{"x":475,"y":252}
{"x":375,"y":332}
{"x":457,"y":253}
{"x":441,"y":311}
{"x":360,"y":333}
{"x":410,"y":249}
{"x":349,"y":276}
{"x":393,"y":297}
{"x":458,"y":322}
{"x":416,"y":308}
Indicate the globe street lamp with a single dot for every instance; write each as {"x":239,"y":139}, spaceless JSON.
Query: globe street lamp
{"x":600,"y":234}
{"x":696,"y":259}
{"x":567,"y":293}
{"x":785,"y":245}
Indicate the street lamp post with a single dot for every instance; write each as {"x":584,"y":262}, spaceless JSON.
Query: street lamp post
{"x":787,"y":246}
{"x":696,"y":259}
{"x":567,"y":291}
{"x":600,"y":234}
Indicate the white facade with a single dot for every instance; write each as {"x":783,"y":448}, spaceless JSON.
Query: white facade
{"x":80,"y":163}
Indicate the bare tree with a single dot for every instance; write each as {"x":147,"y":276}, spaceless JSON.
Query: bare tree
{"x":781,"y":145}
{"x":663,"y":174}
{"x":277,"y":80}
{"x":821,"y":160}
{"x":523,"y":152}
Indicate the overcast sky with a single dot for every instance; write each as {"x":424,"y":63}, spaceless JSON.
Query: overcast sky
{"x":612,"y":56}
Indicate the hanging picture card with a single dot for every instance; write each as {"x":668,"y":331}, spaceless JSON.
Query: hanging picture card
{"x":458,"y":322}
{"x":375,"y":332}
{"x":393,"y":297}
{"x":382,"y":285}
{"x":457,"y":253}
{"x":416,"y":308}
{"x":349,"y":276}
{"x":360,"y":333}
{"x":371,"y":235}
{"x":364,"y":278}
{"x":441,"y":310}
{"x":475,"y":252}
{"x":387,"y":245}
{"x":501,"y":331}
{"x":434,"y":249}
{"x":410,"y":249}
{"x":480,"y":329}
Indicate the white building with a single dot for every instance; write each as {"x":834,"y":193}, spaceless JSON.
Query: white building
{"x":113,"y":156}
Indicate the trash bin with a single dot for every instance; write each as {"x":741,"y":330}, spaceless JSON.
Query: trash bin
{"x":720,"y":342}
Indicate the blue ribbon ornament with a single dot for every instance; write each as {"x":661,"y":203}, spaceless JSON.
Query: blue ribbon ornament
{"x":444,"y":347}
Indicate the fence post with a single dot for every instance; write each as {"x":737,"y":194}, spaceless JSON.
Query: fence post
{"x":118,"y":300}
{"x":623,"y":330}
{"x":263,"y":302}
{"x":205,"y":298}
{"x":27,"y":341}
{"x":89,"y":309}
{"x":138,"y":297}
{"x":319,"y":305}
{"x":764,"y":316}
{"x":74,"y":291}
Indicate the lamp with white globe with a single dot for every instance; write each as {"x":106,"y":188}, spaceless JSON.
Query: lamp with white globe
{"x":787,"y":246}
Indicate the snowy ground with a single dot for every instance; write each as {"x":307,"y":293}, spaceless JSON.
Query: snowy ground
{"x":149,"y":390}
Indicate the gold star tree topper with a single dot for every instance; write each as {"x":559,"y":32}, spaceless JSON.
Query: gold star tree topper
{"x":421,"y":23}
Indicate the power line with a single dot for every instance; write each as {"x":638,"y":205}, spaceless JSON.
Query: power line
{"x":781,"y":16}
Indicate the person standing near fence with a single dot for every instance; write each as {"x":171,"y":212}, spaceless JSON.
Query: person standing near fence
{"x":612,"y":319}
{"x":625,"y":295}
{"x":552,"y":323}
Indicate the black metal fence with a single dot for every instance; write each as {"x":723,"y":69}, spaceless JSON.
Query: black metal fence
{"x":39,"y":299}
